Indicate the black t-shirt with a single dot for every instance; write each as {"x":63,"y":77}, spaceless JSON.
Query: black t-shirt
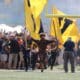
{"x":69,"y":46}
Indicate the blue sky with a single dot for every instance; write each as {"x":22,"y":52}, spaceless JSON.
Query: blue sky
{"x":12,"y":11}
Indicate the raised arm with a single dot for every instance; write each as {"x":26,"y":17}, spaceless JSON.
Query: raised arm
{"x":51,"y":41}
{"x":36,"y":41}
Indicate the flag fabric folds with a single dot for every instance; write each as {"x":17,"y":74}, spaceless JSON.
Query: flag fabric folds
{"x":72,"y":32}
{"x":28,"y":17}
{"x":38,"y":26}
{"x":37,"y":7}
{"x":55,"y":30}
{"x":67,"y":26}
{"x":32,"y":23}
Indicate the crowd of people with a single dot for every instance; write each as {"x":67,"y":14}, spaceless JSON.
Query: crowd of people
{"x":38,"y":54}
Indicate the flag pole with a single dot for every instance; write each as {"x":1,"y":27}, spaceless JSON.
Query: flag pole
{"x":55,"y":29}
{"x":53,"y":22}
{"x":57,"y":16}
{"x":56,"y":34}
{"x":25,"y":33}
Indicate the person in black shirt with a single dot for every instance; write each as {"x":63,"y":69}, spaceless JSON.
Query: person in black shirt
{"x":42,"y":44}
{"x":14,"y":51}
{"x":69,"y":46}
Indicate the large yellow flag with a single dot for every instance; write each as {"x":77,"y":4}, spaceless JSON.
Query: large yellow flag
{"x":37,"y":6}
{"x":33,"y":24}
{"x":61,"y":19}
{"x":67,"y":26}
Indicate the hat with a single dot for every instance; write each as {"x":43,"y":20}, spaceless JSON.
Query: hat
{"x":42,"y":34}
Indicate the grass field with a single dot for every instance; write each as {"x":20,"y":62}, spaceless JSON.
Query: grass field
{"x":56,"y":74}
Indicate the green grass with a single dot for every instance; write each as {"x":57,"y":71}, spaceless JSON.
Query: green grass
{"x":56,"y":74}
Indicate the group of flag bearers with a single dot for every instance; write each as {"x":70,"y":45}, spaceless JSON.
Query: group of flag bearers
{"x":42,"y":53}
{"x":61,"y":27}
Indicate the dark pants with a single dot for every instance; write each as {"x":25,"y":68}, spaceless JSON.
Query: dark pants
{"x":26,"y":63}
{"x":69,"y":55}
{"x":33,"y":60}
{"x":52,"y":59}
{"x":26,"y":59}
{"x":42,"y":57}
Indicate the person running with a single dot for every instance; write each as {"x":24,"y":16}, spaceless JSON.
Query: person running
{"x":42,"y":44}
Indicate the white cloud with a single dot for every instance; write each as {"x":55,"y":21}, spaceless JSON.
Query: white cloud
{"x":6,"y":28}
{"x":18,"y":28}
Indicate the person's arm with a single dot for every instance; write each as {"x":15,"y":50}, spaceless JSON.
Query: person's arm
{"x":36,"y":41}
{"x":51,"y":41}
{"x":30,"y":38}
{"x":64,"y":45}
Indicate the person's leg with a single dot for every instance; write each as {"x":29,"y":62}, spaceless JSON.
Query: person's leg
{"x":53,"y":59}
{"x":26,"y":59}
{"x":41,"y":66}
{"x":3,"y":60}
{"x":0,"y":61}
{"x":72,"y":62}
{"x":10,"y":61}
{"x":45,"y":62}
{"x":15,"y":60}
{"x":42,"y":62}
{"x":49,"y":61}
{"x":33,"y":61}
{"x":21,"y":60}
{"x":66,"y":62}
{"x":26,"y":63}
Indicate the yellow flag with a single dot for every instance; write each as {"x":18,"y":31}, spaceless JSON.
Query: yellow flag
{"x":72,"y":32}
{"x":38,"y":28}
{"x":28,"y":17}
{"x":37,"y":25}
{"x":32,"y":24}
{"x":61,"y":19}
{"x":67,"y":26}
{"x":74,"y":38}
{"x":37,"y":6}
{"x":55,"y":30}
